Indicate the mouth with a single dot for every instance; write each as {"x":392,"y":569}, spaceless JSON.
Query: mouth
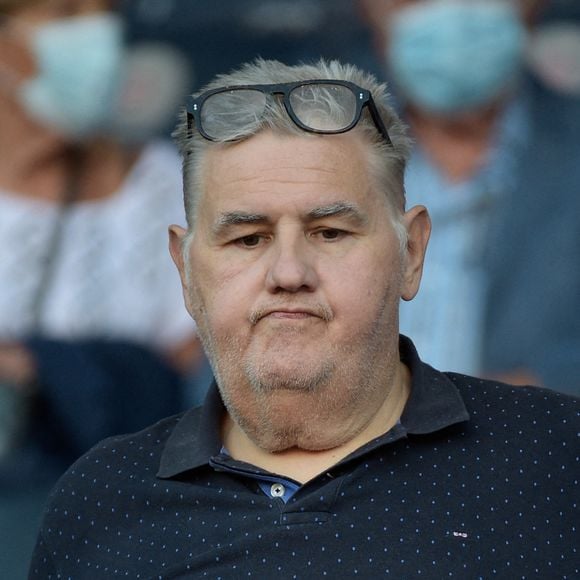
{"x":291,"y":314}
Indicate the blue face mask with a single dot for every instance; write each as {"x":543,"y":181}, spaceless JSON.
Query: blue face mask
{"x":449,"y":56}
{"x":79,"y":63}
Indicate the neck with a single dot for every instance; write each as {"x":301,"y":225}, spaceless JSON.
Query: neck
{"x":303,"y":465}
{"x":457,"y":145}
{"x":32,"y":158}
{"x":468,"y":123}
{"x":37,"y":163}
{"x":105,"y":165}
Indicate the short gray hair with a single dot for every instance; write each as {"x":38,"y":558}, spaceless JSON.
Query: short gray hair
{"x":386,"y":161}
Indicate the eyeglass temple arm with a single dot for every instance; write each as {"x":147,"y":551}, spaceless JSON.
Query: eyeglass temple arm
{"x":190,"y":107}
{"x":378,"y":121}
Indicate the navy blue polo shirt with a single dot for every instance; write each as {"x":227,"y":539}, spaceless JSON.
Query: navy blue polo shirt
{"x":478,"y":480}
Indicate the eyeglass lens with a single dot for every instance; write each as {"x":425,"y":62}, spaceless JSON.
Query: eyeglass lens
{"x":225,"y":114}
{"x":324,"y":107}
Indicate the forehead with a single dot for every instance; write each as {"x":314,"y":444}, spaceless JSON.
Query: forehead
{"x":271,"y":171}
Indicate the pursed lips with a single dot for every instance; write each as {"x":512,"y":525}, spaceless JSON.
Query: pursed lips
{"x":290,"y":314}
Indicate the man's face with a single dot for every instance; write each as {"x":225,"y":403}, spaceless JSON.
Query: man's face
{"x":296,"y":275}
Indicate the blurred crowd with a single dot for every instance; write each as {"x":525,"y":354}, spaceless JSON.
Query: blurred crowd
{"x":94,"y":337}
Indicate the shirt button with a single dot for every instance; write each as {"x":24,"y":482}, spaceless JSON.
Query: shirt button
{"x":277,"y":490}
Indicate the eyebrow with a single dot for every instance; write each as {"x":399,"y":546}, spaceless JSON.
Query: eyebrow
{"x":341,"y":208}
{"x":236,"y":218}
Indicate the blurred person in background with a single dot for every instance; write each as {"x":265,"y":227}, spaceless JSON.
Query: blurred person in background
{"x":82,"y":355}
{"x":496,"y":160}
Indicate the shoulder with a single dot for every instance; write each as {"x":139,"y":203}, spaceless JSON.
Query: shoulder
{"x":522,"y":411}
{"x":157,"y":170}
{"x":161,"y":156}
{"x":153,"y":190}
{"x":482,"y":391}
{"x":110,"y":484}
{"x":113,"y":464}
{"x":163,"y":151}
{"x":553,"y":111}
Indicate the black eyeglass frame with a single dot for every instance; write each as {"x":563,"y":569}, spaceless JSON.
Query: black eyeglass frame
{"x":363,"y":98}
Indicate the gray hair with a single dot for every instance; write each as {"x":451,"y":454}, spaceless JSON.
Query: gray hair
{"x":386,"y":161}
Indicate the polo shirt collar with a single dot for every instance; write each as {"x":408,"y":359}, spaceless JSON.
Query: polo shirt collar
{"x":196,"y":437}
{"x":434,"y":403}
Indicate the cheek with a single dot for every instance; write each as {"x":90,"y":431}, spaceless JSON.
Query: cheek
{"x":224,"y":295}
{"x":360,"y":286}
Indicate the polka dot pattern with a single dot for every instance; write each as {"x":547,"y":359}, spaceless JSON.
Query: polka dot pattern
{"x":495,"y":496}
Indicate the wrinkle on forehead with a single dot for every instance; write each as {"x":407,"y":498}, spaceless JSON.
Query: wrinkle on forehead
{"x":326,"y":177}
{"x":291,"y":153}
{"x":344,"y":209}
{"x":283,"y":173}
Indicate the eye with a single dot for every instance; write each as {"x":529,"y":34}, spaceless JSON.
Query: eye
{"x":250,"y":241}
{"x":331,"y":234}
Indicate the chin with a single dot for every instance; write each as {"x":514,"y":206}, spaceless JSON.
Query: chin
{"x":293,"y":376}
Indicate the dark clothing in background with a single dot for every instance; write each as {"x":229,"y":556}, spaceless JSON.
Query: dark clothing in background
{"x":479,"y":479}
{"x":533,"y":313}
{"x":90,"y":389}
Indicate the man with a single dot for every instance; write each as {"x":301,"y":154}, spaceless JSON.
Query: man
{"x":326,"y":448}
{"x":496,"y":161}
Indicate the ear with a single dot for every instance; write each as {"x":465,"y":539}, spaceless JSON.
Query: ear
{"x":176,"y":236}
{"x":418,"y":226}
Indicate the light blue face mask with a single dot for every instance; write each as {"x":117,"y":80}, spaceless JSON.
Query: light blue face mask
{"x":448,"y":56}
{"x":79,"y":63}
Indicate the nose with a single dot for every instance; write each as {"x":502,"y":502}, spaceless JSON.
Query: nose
{"x":291,"y":268}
